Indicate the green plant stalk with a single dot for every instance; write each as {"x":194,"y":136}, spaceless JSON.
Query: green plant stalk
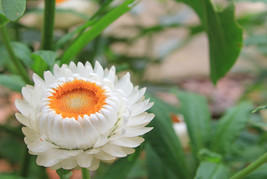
{"x":85,"y":173}
{"x":249,"y":169}
{"x":25,"y":164}
{"x":48,"y":26}
{"x":17,"y":63}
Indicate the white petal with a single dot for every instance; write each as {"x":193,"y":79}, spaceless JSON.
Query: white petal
{"x":27,"y":93}
{"x":114,"y":150}
{"x":22,"y":119}
{"x":136,"y":95}
{"x":94,"y":165}
{"x":69,"y":163}
{"x":23,"y":107}
{"x":141,"y":107}
{"x":99,"y":70}
{"x":38,"y":81}
{"x":125,"y":85}
{"x":141,"y":119}
{"x":137,"y":131}
{"x":84,"y":160}
{"x":49,"y":78}
{"x":111,"y":74}
{"x":52,"y":157}
{"x":128,"y":142}
{"x":104,"y":156}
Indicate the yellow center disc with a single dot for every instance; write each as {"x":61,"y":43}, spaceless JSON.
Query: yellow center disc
{"x":77,"y":98}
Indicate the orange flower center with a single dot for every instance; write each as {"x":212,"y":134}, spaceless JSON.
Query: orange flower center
{"x":60,"y":1}
{"x":77,"y":98}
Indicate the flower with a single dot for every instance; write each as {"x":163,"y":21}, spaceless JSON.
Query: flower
{"x":181,"y":130}
{"x":68,"y":13}
{"x":81,"y":115}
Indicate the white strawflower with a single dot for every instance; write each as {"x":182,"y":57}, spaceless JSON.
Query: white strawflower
{"x":81,"y":115}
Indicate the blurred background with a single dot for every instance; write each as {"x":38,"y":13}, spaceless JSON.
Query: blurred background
{"x":161,"y":43}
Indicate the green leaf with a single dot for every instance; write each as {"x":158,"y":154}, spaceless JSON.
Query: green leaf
{"x":197,"y":117}
{"x":47,"y":56}
{"x":156,"y":169}
{"x":224,"y":36}
{"x":64,"y":174}
{"x":42,"y":60}
{"x":230,"y":126}
{"x":96,"y":29}
{"x":12,"y":9}
{"x":13,"y":82}
{"x":164,"y":140}
{"x":210,"y":170}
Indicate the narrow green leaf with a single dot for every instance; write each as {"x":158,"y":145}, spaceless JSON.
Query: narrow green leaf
{"x":210,"y":170}
{"x":224,"y":36}
{"x":13,"y":9}
{"x":197,"y":117}
{"x":13,"y":82}
{"x":230,"y":126}
{"x":164,"y":140}
{"x":96,"y":29}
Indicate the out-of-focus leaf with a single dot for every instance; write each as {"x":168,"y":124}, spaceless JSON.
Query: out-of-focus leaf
{"x":3,"y":20}
{"x":10,"y":176}
{"x":96,"y":29}
{"x":260,"y":173}
{"x":197,"y":117}
{"x":12,"y":9}
{"x":230,"y":126}
{"x":23,"y":52}
{"x":156,"y":169}
{"x":13,"y":82}
{"x":224,"y":36}
{"x":64,"y":174}
{"x":164,"y":140}
{"x":11,"y":149}
{"x":209,"y":156}
{"x":210,"y":170}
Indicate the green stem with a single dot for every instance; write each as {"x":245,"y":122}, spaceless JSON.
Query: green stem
{"x":14,"y":59}
{"x":85,"y":173}
{"x":48,"y":26}
{"x":24,"y":168}
{"x":253,"y":166}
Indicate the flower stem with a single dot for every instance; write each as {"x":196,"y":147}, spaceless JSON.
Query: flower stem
{"x":253,"y":166}
{"x":48,"y":26}
{"x":21,"y":70}
{"x":25,"y":163}
{"x":85,"y":173}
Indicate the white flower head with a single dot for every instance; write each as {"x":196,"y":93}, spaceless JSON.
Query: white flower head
{"x":82,"y":115}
